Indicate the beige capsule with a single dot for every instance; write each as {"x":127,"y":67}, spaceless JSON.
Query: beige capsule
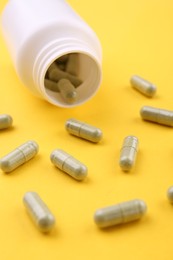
{"x":67,"y":90}
{"x":64,"y":87}
{"x":120,"y":213}
{"x":39,"y":212}
{"x":57,"y":74}
{"x":69,"y":164}
{"x":19,"y":156}
{"x":61,"y":66}
{"x":128,"y":153}
{"x":51,"y":85}
{"x":83,"y":130}
{"x":5,"y":121}
{"x":72,"y":65}
{"x":52,"y":67}
{"x":157,"y":115}
{"x":63,"y":59}
{"x":170,"y":194}
{"x":143,"y":86}
{"x":57,"y":64}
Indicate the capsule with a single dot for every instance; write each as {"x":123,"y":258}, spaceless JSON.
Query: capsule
{"x":51,"y":85}
{"x":19,"y":156}
{"x":143,"y":86}
{"x":72,"y":65}
{"x":63,"y":59}
{"x":120,"y":213}
{"x":38,"y":211}
{"x":128,"y":153}
{"x":5,"y":121}
{"x":57,"y":74}
{"x":52,"y":67}
{"x":157,"y":115}
{"x":170,"y":194}
{"x":83,"y":130}
{"x":67,"y":90}
{"x":69,"y":164}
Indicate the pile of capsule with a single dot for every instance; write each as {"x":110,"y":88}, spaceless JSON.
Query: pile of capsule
{"x":105,"y":217}
{"x":62,"y":77}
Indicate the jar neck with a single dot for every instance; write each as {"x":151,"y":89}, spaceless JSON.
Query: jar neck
{"x":90,"y":69}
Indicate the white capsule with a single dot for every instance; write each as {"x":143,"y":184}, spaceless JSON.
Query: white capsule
{"x":57,"y":74}
{"x":69,"y":164}
{"x":39,"y":212}
{"x":170,"y":194}
{"x":83,"y":130}
{"x":5,"y":121}
{"x":143,"y":86}
{"x":67,"y":90}
{"x":157,"y":115}
{"x":128,"y":153}
{"x":19,"y":156}
{"x":120,"y":213}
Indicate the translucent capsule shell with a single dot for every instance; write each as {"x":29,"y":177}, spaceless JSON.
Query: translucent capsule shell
{"x":69,"y":164}
{"x":83,"y":130}
{"x":128,"y":153}
{"x":143,"y":86}
{"x":157,"y":115}
{"x":39,"y":212}
{"x":19,"y":156}
{"x":5,"y":121}
{"x":120,"y":213}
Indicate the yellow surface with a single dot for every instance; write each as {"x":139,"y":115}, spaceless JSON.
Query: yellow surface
{"x":137,"y":38}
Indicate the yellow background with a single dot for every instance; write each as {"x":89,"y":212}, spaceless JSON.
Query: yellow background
{"x":137,"y":38}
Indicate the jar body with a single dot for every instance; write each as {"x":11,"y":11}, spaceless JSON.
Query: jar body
{"x":38,"y":32}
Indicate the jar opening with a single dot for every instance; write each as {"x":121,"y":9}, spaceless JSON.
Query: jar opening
{"x":71,"y":79}
{"x":67,"y":73}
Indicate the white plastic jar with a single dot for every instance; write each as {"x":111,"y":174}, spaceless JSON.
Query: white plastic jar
{"x":38,"y":32}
